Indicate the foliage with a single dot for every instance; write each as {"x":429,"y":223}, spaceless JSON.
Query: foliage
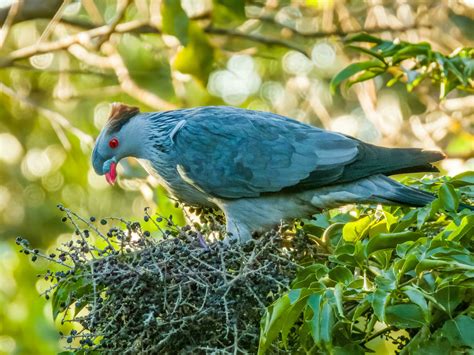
{"x":386,"y":269}
{"x":410,"y":62}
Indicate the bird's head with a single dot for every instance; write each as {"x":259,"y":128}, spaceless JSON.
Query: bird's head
{"x":119,"y":139}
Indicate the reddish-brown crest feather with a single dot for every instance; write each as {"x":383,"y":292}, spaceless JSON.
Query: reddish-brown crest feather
{"x":119,"y":115}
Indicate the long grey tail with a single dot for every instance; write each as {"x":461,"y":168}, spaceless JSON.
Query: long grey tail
{"x":398,"y":194}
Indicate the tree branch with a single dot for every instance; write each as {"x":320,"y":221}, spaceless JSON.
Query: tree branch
{"x":269,"y":41}
{"x":339,"y":32}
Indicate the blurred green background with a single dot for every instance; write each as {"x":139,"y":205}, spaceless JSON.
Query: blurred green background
{"x":63,"y":63}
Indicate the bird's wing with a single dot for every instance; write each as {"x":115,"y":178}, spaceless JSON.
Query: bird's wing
{"x":233,"y":153}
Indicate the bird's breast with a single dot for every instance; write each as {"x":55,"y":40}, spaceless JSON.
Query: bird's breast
{"x":169,"y":177}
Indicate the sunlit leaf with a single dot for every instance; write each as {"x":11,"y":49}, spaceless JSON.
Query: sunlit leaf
{"x":448,"y":197}
{"x":390,"y":240}
{"x":354,"y":231}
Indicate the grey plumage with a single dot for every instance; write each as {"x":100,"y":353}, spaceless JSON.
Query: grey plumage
{"x":259,"y":167}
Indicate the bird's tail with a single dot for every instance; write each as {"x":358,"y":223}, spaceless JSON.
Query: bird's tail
{"x":392,"y":192}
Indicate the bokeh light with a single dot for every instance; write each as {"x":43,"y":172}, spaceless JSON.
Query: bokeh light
{"x":10,"y":148}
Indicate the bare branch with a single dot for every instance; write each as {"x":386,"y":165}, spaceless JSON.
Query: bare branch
{"x":130,"y":87}
{"x":54,"y":22}
{"x":269,"y":41}
{"x":66,"y":42}
{"x":121,"y":9}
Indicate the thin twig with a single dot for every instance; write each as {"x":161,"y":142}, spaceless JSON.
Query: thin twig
{"x":54,"y":21}
{"x":121,"y":10}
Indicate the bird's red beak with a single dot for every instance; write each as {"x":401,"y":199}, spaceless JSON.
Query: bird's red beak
{"x":111,"y":176}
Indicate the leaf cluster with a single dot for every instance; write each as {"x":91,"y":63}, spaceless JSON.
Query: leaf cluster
{"x":411,"y":63}
{"x":388,"y":269}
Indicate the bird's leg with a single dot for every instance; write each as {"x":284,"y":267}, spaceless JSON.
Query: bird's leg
{"x":237,"y":231}
{"x":202,"y":242}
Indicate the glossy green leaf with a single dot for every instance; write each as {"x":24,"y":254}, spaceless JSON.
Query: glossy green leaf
{"x":460,"y":331}
{"x":418,"y":297}
{"x":236,"y":7}
{"x":354,"y":231}
{"x":68,"y":291}
{"x":351,"y":70}
{"x":341,"y":274}
{"x":281,"y":316}
{"x":404,"y":316}
{"x":364,"y":37}
{"x":448,"y":197}
{"x":390,"y":240}
{"x":380,"y":299}
{"x":463,"y":179}
{"x":464,"y":230}
{"x":450,"y":297}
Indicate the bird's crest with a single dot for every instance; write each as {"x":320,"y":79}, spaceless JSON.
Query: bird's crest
{"x":119,"y":115}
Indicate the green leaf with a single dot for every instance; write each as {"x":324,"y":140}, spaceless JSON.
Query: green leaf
{"x":418,"y":298}
{"x":450,"y":297}
{"x":364,"y":37}
{"x":380,"y":299}
{"x":369,"y":52}
{"x":351,"y":70}
{"x":237,"y":7}
{"x":465,"y":229}
{"x":175,"y":21}
{"x":68,"y":291}
{"x":463,"y":179}
{"x":348,"y":349}
{"x":448,"y":197}
{"x":280,"y":317}
{"x":411,"y":50}
{"x":327,"y":322}
{"x":390,"y":220}
{"x":404,"y":316}
{"x":369,"y":74}
{"x":354,"y":231}
{"x":197,"y":57}
{"x":321,"y":321}
{"x":460,"y":331}
{"x":390,"y":240}
{"x":314,"y":303}
{"x":143,"y":56}
{"x":309,"y":274}
{"x":430,"y":264}
{"x":341,"y":274}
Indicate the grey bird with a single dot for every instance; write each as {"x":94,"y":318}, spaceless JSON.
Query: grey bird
{"x":259,"y":168}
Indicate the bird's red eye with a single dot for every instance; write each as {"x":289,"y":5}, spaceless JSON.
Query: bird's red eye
{"x":113,"y":143}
